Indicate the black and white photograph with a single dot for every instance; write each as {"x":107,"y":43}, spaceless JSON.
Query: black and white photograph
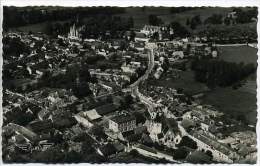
{"x":144,"y":84}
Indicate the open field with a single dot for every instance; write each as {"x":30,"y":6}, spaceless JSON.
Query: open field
{"x":39,"y":27}
{"x":233,"y":102}
{"x":186,"y":82}
{"x":238,"y":54}
{"x":140,"y":16}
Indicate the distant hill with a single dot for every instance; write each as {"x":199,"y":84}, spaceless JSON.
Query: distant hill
{"x":140,"y":16}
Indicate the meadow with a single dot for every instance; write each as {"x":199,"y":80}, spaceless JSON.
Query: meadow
{"x":238,"y":54}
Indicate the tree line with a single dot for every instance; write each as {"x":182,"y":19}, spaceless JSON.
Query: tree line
{"x":230,"y":34}
{"x":14,"y":16}
{"x":220,"y":73}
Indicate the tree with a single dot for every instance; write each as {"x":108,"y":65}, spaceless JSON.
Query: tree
{"x":132,"y":36}
{"x":188,"y":142}
{"x":209,"y":153}
{"x":49,"y":28}
{"x":143,"y":9}
{"x":128,"y":100}
{"x":14,"y":46}
{"x":155,"y":36}
{"x":179,"y":30}
{"x":188,"y":21}
{"x":139,"y":117}
{"x":130,"y":22}
{"x":245,"y":16}
{"x":154,"y":20}
{"x":214,"y":19}
{"x":221,"y":73}
{"x":227,"y":21}
{"x":73,"y":157}
{"x":134,"y":153}
{"x":180,"y":153}
{"x":81,"y":90}
{"x":195,"y":21}
{"x":87,"y":147}
{"x":99,"y":132}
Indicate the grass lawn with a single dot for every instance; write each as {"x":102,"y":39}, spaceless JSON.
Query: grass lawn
{"x":238,"y":54}
{"x":233,"y":102}
{"x":186,"y":82}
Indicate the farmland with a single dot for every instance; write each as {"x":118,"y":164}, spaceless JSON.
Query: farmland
{"x":233,"y":102}
{"x":238,"y":54}
{"x":241,"y":101}
{"x":140,"y":15}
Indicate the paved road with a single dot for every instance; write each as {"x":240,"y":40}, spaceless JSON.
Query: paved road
{"x":134,"y":87}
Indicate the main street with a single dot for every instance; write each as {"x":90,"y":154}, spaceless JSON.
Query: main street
{"x":135,"y":86}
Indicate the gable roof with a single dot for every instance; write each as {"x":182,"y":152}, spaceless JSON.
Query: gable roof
{"x":105,"y":109}
{"x":140,"y":35}
{"x":92,"y":114}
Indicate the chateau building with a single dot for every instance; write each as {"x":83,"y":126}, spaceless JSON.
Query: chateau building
{"x":122,"y":123}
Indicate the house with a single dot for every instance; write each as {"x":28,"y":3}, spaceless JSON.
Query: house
{"x":150,"y":30}
{"x":83,"y":121}
{"x":139,"y":46}
{"x":207,"y":50}
{"x":19,"y":139}
{"x":207,"y":124}
{"x":135,"y":64}
{"x":44,"y":114}
{"x":214,"y":54}
{"x":141,"y":37}
{"x":151,"y":152}
{"x":176,"y":55}
{"x":220,"y":151}
{"x":92,"y":115}
{"x":128,"y":69}
{"x":245,"y":137}
{"x":158,"y":72}
{"x":232,"y":15}
{"x":28,"y":134}
{"x":122,"y":123}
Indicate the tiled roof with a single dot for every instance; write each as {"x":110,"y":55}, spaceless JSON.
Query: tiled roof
{"x":105,"y":109}
{"x":214,"y":143}
{"x":123,"y":118}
